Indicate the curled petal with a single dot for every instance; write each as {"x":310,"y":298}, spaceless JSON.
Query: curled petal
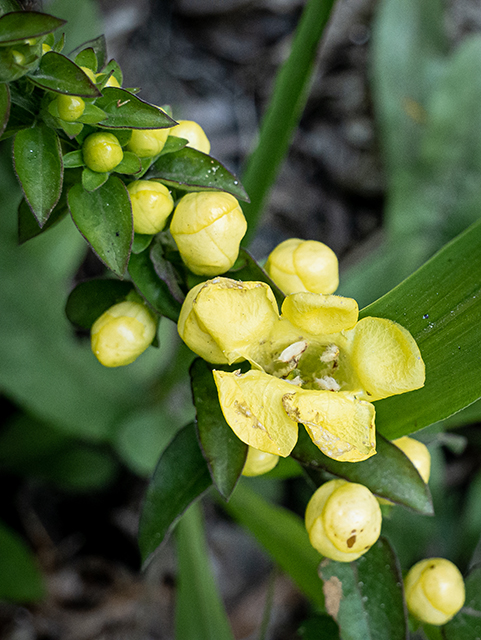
{"x":320,"y":314}
{"x":252,"y":406}
{"x":339,"y":424}
{"x":386,"y":358}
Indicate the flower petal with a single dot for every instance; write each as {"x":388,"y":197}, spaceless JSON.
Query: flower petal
{"x":339,"y":424}
{"x":320,"y":314}
{"x":386,"y":358}
{"x":252,"y":406}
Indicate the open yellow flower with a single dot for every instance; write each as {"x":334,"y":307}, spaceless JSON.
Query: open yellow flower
{"x":315,"y":364}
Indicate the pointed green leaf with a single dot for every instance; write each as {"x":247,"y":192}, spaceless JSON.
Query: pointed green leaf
{"x":87,"y":58}
{"x":99,"y":47}
{"x":104,"y":218}
{"x":72,"y":129}
{"x":200,"y":613}
{"x":466,"y":625}
{"x":224,"y":452}
{"x":57,"y":73}
{"x":92,"y":114}
{"x":113,"y":67}
{"x":180,"y":478}
{"x":155,"y":290}
{"x":73,"y":159}
{"x":92,"y":180}
{"x":440,"y":304}
{"x":4,"y":107}
{"x":28,"y":225}
{"x":130,"y":164}
{"x":389,"y":474}
{"x":365,"y":597}
{"x":91,"y":298}
{"x":20,"y":25}
{"x":20,"y":577}
{"x":172,"y":144}
{"x":126,"y":111}
{"x":283,"y":535}
{"x":141,"y":242}
{"x":38,"y":164}
{"x":192,"y":170}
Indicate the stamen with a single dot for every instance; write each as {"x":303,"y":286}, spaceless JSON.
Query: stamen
{"x":330,"y":353}
{"x":328,"y":383}
{"x":293,"y":352}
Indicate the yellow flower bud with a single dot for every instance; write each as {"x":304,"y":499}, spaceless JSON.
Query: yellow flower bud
{"x":207,"y":228}
{"x":147,"y":142}
{"x":434,"y":590}
{"x":216,"y":320}
{"x":102,"y":152}
{"x":192,"y":132}
{"x":151,"y":205}
{"x":303,"y":265}
{"x":88,"y":72}
{"x":122,"y":333}
{"x":259,"y":462}
{"x":386,"y":358}
{"x":418,"y":453}
{"x":343,"y":520}
{"x":70,"y":108}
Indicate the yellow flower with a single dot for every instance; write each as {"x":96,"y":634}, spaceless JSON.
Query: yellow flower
{"x":343,"y":520}
{"x":316,"y":364}
{"x":122,"y":333}
{"x":259,"y":462}
{"x":303,"y":265}
{"x":207,"y":227}
{"x":434,"y":590}
{"x":192,"y":132}
{"x":151,"y":205}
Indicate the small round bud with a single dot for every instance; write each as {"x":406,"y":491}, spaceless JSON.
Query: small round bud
{"x":102,"y":152}
{"x":89,"y":73}
{"x":434,"y":590}
{"x":259,"y":462}
{"x":192,"y":132}
{"x":151,"y":205}
{"x":147,"y":142}
{"x":122,"y":333}
{"x":418,"y":453}
{"x":70,"y":108}
{"x":207,"y":227}
{"x":303,"y":265}
{"x":343,"y":520}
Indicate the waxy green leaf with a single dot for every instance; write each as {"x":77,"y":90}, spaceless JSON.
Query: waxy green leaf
{"x":112,"y":68}
{"x":224,"y":452}
{"x":104,"y":218}
{"x":172,"y":144}
{"x":87,"y":58}
{"x":73,"y":159}
{"x":21,"y":25}
{"x":365,"y":597}
{"x":192,"y":170}
{"x":389,"y":474}
{"x":57,"y":73}
{"x":28,"y":225}
{"x":466,"y":625}
{"x":153,"y":288}
{"x":38,"y":164}
{"x":4,"y":107}
{"x":91,"y":298}
{"x":130,"y":164}
{"x":126,"y":111}
{"x":180,"y":478}
{"x":92,"y":180}
{"x":440,"y":304}
{"x":91,"y":114}
{"x":98,"y":46}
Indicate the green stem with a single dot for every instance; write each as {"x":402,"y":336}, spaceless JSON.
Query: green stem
{"x":284,"y":111}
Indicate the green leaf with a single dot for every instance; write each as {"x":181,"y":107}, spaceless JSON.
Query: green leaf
{"x":318,"y":628}
{"x":200,"y":613}
{"x":6,"y":6}
{"x":126,"y":111}
{"x":87,"y":58}
{"x":57,"y":73}
{"x":172,"y":144}
{"x":20,"y":577}
{"x":122,"y":135}
{"x":224,"y":452}
{"x":73,"y":159}
{"x":28,"y":225}
{"x":92,"y":114}
{"x":4,"y":107}
{"x":20,"y":25}
{"x":113,"y":67}
{"x":365,"y":597}
{"x":72,"y":129}
{"x":180,"y":478}
{"x":192,"y":170}
{"x":38,"y":164}
{"x":440,"y":304}
{"x":104,"y":218}
{"x":130,"y":164}
{"x":91,"y":298}
{"x":283,"y":535}
{"x":155,"y":290}
{"x":466,"y":625}
{"x":141,"y":242}
{"x":98,"y":46}
{"x":92,"y":180}
{"x":246,"y":268}
{"x":389,"y":474}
